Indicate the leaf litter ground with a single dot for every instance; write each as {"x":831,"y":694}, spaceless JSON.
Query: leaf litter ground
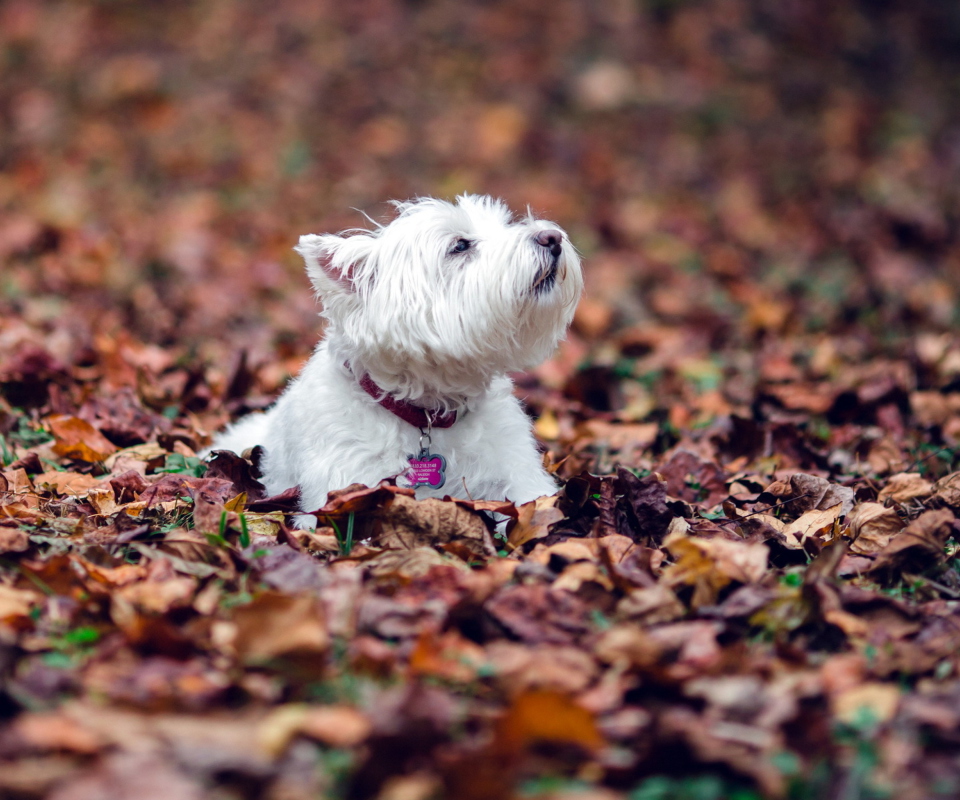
{"x":747,"y":604}
{"x":748,"y":585}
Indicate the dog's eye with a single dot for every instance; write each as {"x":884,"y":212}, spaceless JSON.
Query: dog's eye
{"x":461,"y":246}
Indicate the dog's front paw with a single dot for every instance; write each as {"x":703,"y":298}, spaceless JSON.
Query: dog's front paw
{"x":305,"y":522}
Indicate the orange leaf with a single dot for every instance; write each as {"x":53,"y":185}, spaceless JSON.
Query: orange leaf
{"x":75,"y":483}
{"x":547,"y":716}
{"x":535,"y":519}
{"x":77,"y":438}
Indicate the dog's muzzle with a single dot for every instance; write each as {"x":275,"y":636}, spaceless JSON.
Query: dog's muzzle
{"x":552,"y":242}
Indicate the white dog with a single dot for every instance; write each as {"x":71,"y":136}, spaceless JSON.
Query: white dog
{"x":425,"y":317}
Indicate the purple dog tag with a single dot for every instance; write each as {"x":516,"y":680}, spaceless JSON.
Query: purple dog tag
{"x":426,"y":470}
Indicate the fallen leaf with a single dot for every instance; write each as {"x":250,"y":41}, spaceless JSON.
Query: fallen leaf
{"x":563,"y":553}
{"x":129,"y":776}
{"x":918,"y":545}
{"x":802,"y":492}
{"x":694,"y":479}
{"x":575,"y":575}
{"x":159,"y":596}
{"x":710,"y":564}
{"x":409,"y":564}
{"x":535,"y":614}
{"x":521,"y":669}
{"x":546,"y":716}
{"x":813,"y":523}
{"x":905,"y":487}
{"x":407,"y":523}
{"x":13,"y":540}
{"x":56,"y":731}
{"x":17,"y":481}
{"x":877,"y":700}
{"x":67,"y":483}
{"x":333,"y":725}
{"x":872,"y":525}
{"x":277,"y":625}
{"x":629,"y":644}
{"x":645,"y":501}
{"x":947,"y":489}
{"x":622,"y":437}
{"x":78,"y":439}
{"x":144,"y":455}
{"x":534,"y":520}
{"x":237,"y":470}
{"x":102,"y":499}
{"x":448,"y":656}
{"x":16,"y":603}
{"x":651,"y":606}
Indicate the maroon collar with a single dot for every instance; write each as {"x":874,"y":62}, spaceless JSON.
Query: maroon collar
{"x":415,"y":415}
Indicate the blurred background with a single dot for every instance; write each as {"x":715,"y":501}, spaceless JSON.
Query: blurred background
{"x":745,"y":179}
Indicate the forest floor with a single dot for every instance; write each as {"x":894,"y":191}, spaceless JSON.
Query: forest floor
{"x":748,"y":585}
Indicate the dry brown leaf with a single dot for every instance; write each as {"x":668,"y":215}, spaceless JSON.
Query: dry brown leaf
{"x":872,"y":525}
{"x":947,"y":489}
{"x":852,"y":625}
{"x":129,"y":775}
{"x":567,"y":552}
{"x":409,"y":563}
{"x":136,"y":458}
{"x":886,"y":456}
{"x":16,"y":603}
{"x":407,"y":523}
{"x":575,"y":575}
{"x":768,"y":519}
{"x":449,"y":656}
{"x":334,"y":726}
{"x":277,"y":625}
{"x":802,"y":492}
{"x":35,"y":776}
{"x":710,"y":564}
{"x":102,"y":499}
{"x":616,"y":545}
{"x":843,"y":671}
{"x":546,"y":716}
{"x":815,"y":522}
{"x":68,"y":483}
{"x":78,"y":439}
{"x":56,"y":731}
{"x":520,"y":668}
{"x":651,"y":606}
{"x":13,"y":540}
{"x":159,"y":596}
{"x":17,"y":481}
{"x":918,"y":545}
{"x":323,"y":540}
{"x":740,"y":694}
{"x":621,"y":437}
{"x":879,"y":700}
{"x":534,"y":520}
{"x":904,"y":487}
{"x":628,"y":644}
{"x":547,"y":427}
{"x":695,"y":644}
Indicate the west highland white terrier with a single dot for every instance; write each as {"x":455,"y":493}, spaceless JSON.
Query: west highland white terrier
{"x":425,"y":318}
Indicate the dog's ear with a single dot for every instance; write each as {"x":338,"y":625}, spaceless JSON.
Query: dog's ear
{"x":334,"y":263}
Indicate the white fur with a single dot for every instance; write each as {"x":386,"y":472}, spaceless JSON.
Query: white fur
{"x":436,"y":328}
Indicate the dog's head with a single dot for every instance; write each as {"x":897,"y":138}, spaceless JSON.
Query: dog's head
{"x":446,"y":296}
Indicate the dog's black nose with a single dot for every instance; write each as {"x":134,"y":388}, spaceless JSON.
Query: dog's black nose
{"x":550,"y":239}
